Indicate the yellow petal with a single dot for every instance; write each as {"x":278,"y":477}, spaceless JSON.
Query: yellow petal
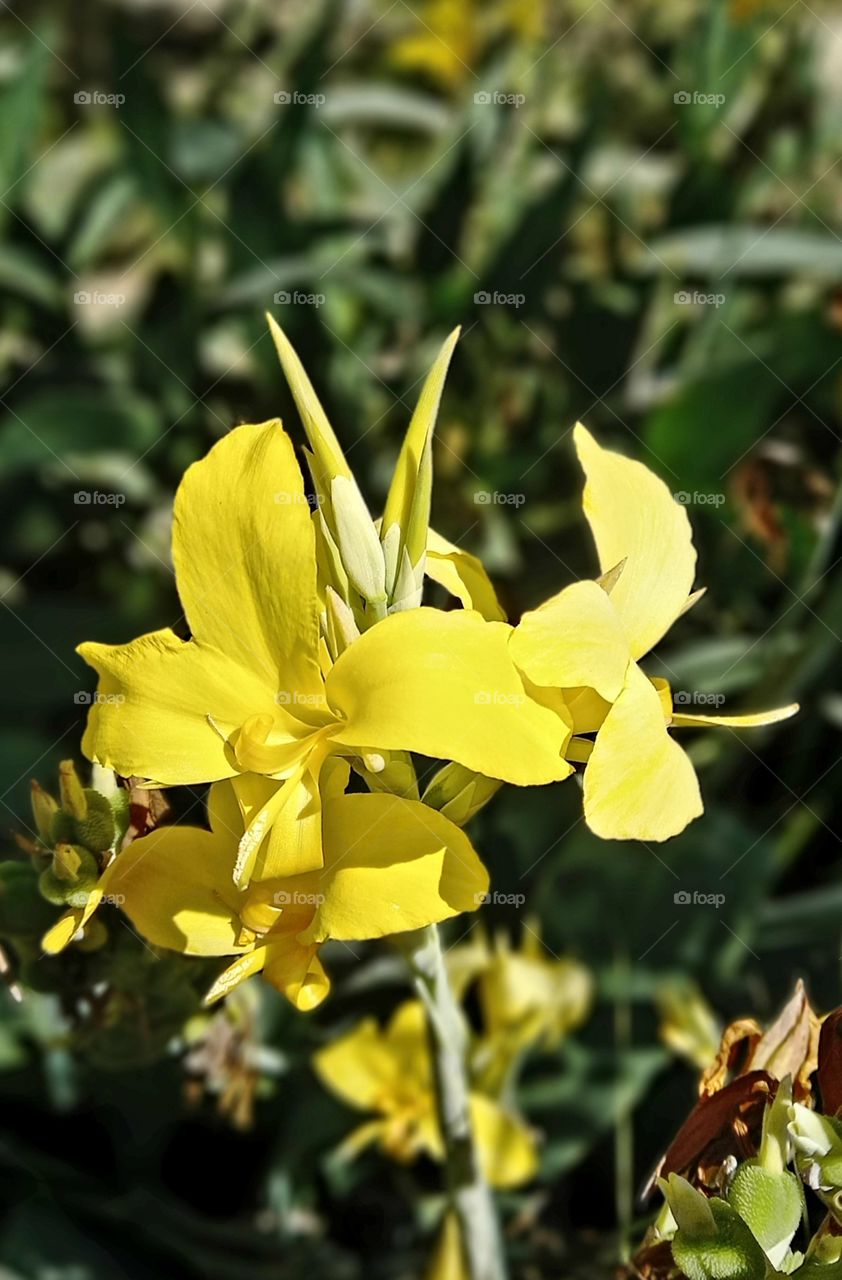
{"x":245,"y":558}
{"x":64,"y":930}
{"x":463,"y":575}
{"x":444,"y":685}
{"x":749,"y":720}
{"x":392,"y":865}
{"x":296,"y":972}
{"x":245,"y":966}
{"x":175,"y":887}
{"x":156,"y":699}
{"x":448,"y":1261}
{"x":634,"y":517}
{"x":283,"y":835}
{"x":573,"y":640}
{"x":505,"y":1146}
{"x":639,"y":784}
{"x":358,"y":1067}
{"x":408,"y":501}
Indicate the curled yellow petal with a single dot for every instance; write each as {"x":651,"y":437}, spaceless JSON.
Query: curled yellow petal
{"x":634,"y":518}
{"x":746,"y":720}
{"x":639,"y":784}
{"x":463,"y":575}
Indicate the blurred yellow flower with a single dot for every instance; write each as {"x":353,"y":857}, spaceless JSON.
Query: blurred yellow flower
{"x":638,"y":783}
{"x":528,"y":998}
{"x":452,"y":36}
{"x":390,"y":865}
{"x":389,"y":1071}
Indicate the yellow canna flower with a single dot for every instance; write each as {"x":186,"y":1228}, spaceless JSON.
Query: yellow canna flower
{"x":253,"y":695}
{"x":390,"y":865}
{"x":527,"y":998}
{"x":639,"y":784}
{"x":389,"y":1071}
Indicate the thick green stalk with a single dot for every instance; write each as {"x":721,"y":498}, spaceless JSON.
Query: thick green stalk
{"x":469,"y":1193}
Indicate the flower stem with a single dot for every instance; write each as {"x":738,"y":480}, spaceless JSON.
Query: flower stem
{"x":469,"y":1193}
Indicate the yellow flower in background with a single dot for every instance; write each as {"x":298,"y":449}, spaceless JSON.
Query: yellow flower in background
{"x":389,"y":1071}
{"x":451,"y":36}
{"x":390,"y":865}
{"x":528,"y":998}
{"x":638,"y":784}
{"x":253,"y":695}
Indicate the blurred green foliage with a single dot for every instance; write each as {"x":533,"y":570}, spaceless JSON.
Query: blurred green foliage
{"x":633,"y":211}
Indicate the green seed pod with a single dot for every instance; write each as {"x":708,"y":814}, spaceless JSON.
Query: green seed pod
{"x":44,"y":810}
{"x":97,"y":829}
{"x":57,"y":887}
{"x":70,"y":788}
{"x":63,"y":828}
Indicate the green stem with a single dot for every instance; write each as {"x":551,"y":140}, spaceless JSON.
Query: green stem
{"x":469,"y":1194}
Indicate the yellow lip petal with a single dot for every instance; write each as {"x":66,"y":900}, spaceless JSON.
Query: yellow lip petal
{"x":244,"y":555}
{"x":634,"y":518}
{"x":158,"y":700}
{"x":175,"y":887}
{"x":444,"y":685}
{"x":358,"y":1067}
{"x":392,"y":865}
{"x":639,"y":784}
{"x":575,"y":639}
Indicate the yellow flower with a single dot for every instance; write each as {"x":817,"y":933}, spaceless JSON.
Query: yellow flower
{"x":389,"y":1071}
{"x":527,"y":997}
{"x":253,"y":695}
{"x":639,"y":784}
{"x":390,"y":865}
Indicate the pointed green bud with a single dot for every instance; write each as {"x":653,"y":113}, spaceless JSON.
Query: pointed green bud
{"x":71,"y":790}
{"x":459,"y":793}
{"x":329,"y":456}
{"x":357,"y":540}
{"x":408,"y":501}
{"x":817,"y":1141}
{"x":712,"y":1241}
{"x":44,"y":809}
{"x":774,"y":1143}
{"x":341,"y":625}
{"x":96,"y":831}
{"x":74,"y":870}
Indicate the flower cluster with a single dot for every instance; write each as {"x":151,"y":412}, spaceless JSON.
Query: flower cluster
{"x":313,"y":674}
{"x":764,"y":1131}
